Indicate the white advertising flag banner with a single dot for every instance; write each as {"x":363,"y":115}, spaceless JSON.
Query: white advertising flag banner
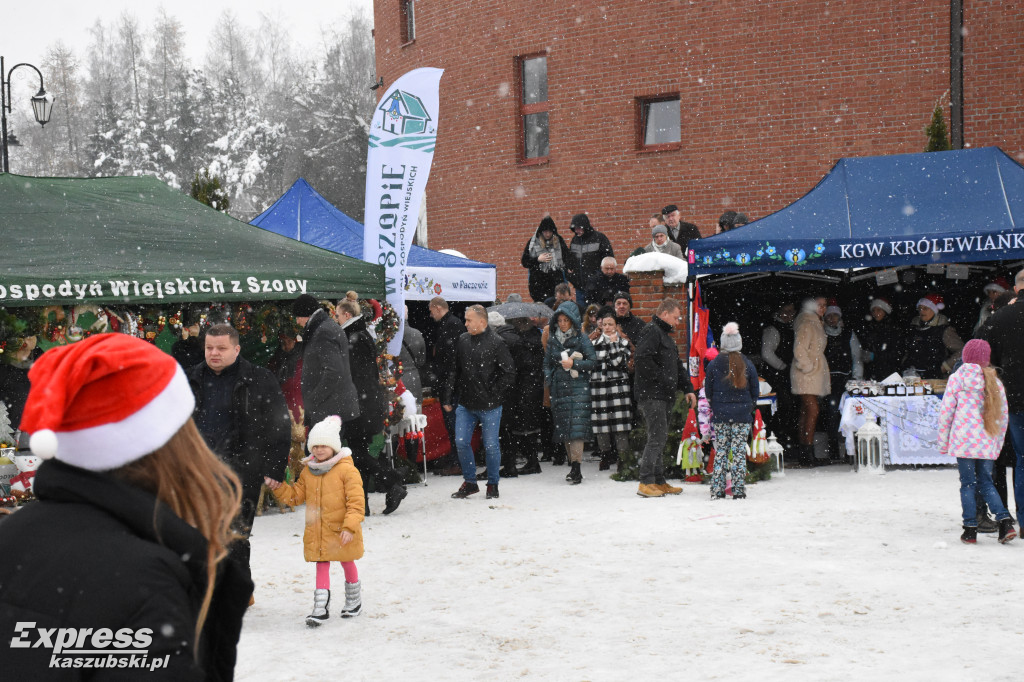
{"x":402,"y":137}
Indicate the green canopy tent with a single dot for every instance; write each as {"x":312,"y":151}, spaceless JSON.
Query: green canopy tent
{"x":135,"y":240}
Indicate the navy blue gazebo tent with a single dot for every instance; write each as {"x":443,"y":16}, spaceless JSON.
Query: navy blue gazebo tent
{"x":885,"y":211}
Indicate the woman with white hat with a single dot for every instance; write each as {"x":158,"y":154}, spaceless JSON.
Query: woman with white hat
{"x":126,"y":547}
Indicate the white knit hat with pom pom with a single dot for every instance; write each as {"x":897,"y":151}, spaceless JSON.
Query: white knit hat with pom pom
{"x":731,"y":339}
{"x":326,"y":432}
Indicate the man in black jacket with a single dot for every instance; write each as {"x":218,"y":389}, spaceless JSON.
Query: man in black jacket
{"x":327,"y":386}
{"x":659,"y":375}
{"x":480,"y":374}
{"x":587,"y":249}
{"x":602,"y":287}
{"x":242,"y":415}
{"x":446,"y":335}
{"x":373,"y":405}
{"x":1003,"y":332}
{"x":631,"y":324}
{"x":679,"y":231}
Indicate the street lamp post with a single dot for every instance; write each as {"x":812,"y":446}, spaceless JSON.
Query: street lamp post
{"x":42,"y":104}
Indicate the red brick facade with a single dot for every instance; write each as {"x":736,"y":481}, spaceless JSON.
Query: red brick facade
{"x":771,"y":94}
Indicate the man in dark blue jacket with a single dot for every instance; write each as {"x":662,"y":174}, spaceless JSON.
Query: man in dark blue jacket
{"x":480,"y":374}
{"x":659,"y":375}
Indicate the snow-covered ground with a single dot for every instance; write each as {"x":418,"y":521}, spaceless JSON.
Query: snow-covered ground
{"x":821,"y":575}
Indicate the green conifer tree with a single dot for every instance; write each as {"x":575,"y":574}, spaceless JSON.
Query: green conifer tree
{"x":938,"y":134}
{"x":208,"y":191}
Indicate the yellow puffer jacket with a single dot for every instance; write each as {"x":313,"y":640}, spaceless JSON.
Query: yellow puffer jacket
{"x":334,"y":502}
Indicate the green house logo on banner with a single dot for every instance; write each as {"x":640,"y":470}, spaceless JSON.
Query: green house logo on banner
{"x":404,"y":114}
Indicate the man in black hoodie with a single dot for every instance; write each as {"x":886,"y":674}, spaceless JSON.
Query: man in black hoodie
{"x":587,"y":249}
{"x":446,"y":335}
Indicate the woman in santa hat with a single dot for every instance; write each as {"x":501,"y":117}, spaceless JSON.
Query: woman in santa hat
{"x":881,"y":341}
{"x":933,"y":346}
{"x":126,"y":547}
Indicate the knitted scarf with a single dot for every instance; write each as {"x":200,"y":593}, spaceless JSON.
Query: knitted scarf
{"x":539,"y":246}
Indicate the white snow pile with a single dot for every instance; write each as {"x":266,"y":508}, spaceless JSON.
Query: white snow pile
{"x":675,"y":269}
{"x":823,"y":574}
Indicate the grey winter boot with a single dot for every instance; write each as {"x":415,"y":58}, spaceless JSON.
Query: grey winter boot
{"x":353,"y":600}
{"x":321,"y":598}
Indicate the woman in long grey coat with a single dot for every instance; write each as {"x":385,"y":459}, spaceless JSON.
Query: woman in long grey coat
{"x":568,"y":362}
{"x":809,"y":374}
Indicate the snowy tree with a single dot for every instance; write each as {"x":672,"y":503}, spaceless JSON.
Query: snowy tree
{"x":207,"y":190}
{"x":938,"y":135}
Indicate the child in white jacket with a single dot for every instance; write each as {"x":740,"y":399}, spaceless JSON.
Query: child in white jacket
{"x":972,"y":425}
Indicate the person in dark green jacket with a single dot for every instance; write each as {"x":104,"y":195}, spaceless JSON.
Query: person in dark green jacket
{"x":568,"y":362}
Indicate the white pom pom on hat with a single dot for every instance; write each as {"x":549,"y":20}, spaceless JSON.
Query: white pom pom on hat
{"x":731,"y":339}
{"x":104,"y":402}
{"x":44,"y":443}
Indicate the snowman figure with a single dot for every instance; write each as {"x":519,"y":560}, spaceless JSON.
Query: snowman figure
{"x":21,"y":485}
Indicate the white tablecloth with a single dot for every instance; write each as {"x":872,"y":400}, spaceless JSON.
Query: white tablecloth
{"x":909,"y":424}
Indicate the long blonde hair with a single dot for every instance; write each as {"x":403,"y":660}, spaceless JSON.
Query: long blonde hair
{"x":992,"y":409}
{"x":197,"y":486}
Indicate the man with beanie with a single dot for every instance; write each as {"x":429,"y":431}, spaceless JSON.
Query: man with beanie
{"x":660,"y":243}
{"x":1003,"y":333}
{"x":679,"y":231}
{"x":660,"y":374}
{"x":587,"y":249}
{"x":602,"y":286}
{"x":630,"y":324}
{"x":327,"y":386}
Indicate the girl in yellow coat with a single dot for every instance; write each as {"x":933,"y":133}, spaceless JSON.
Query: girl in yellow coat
{"x":332,"y":489}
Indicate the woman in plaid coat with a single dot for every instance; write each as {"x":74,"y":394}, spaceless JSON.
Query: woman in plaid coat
{"x":611,"y":408}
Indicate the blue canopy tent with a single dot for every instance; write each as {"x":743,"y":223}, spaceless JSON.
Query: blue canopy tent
{"x":303,"y":214}
{"x":885,"y":211}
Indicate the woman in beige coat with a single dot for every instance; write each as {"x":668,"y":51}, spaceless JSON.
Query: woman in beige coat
{"x":809,"y":374}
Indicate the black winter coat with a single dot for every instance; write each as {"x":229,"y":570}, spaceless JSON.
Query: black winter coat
{"x":1003,"y":333}
{"x":446,"y":335}
{"x":261,"y":425}
{"x":542,"y":284}
{"x":600,"y":287}
{"x":659,"y":371}
{"x":587,"y":251}
{"x":480,"y":373}
{"x":631,"y":326}
{"x":373,"y":398}
{"x":87,"y":555}
{"x":522,"y":406}
{"x":885,"y":342}
{"x":327,"y":386}
{"x":687,"y":231}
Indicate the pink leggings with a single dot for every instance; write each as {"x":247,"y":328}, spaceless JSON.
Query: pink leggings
{"x":323,"y":573}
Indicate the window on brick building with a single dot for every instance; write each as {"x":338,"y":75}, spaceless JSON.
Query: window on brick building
{"x":408,"y":20}
{"x":533,"y":107}
{"x":659,"y":122}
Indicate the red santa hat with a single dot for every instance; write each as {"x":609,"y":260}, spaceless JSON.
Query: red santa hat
{"x":998,"y":285}
{"x":833,"y":307}
{"x":933,"y":301}
{"x":882,"y":304}
{"x":105,"y":401}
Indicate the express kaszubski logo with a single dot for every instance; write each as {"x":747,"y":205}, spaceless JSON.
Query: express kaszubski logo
{"x":89,"y":647}
{"x":405,"y":123}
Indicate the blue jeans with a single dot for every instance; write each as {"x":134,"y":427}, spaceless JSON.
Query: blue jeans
{"x":975,"y":478}
{"x":1015,"y":431}
{"x":465,"y":424}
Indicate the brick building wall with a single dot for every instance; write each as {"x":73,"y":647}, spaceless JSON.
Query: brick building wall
{"x":771,"y":95}
{"x":647,"y":289}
